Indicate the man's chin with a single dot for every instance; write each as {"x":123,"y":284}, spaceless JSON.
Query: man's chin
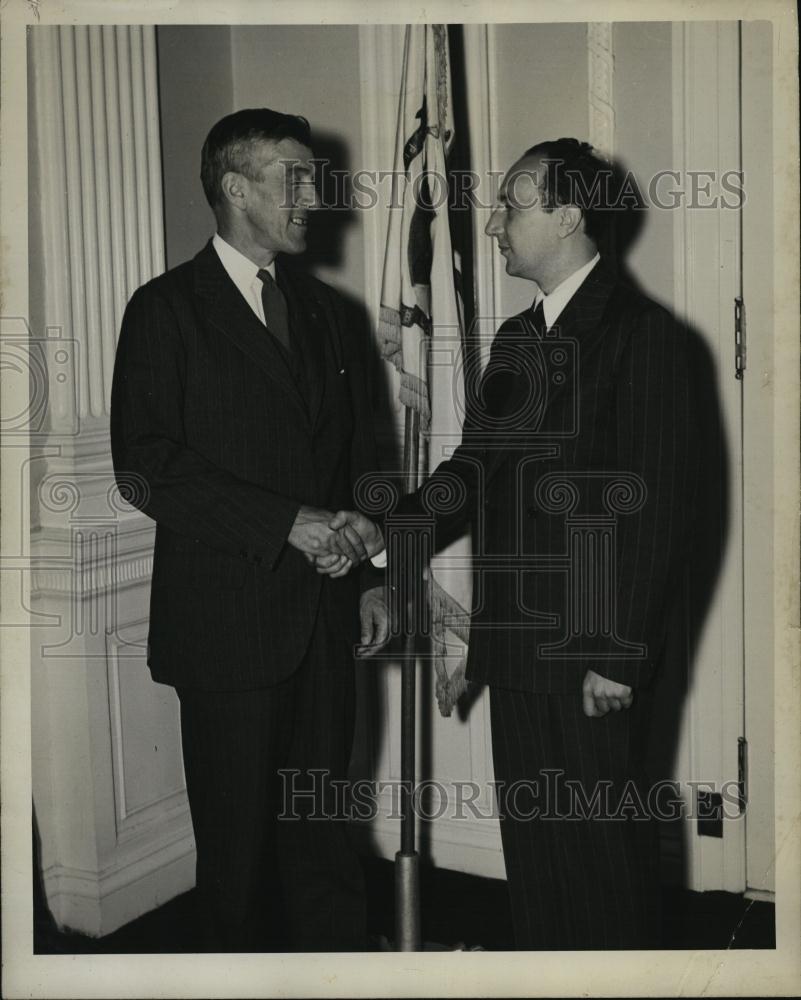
{"x":517,"y":269}
{"x":291,"y":251}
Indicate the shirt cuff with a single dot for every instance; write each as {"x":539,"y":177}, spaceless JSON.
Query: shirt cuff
{"x":380,"y":559}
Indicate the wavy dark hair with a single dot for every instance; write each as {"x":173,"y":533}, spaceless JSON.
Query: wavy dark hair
{"x":576,"y":174}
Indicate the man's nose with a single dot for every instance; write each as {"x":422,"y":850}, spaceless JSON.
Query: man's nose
{"x":495,"y":225}
{"x":309,"y":197}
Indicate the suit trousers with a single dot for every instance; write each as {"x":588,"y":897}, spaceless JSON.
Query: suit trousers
{"x":273,"y":859}
{"x":579,"y":841}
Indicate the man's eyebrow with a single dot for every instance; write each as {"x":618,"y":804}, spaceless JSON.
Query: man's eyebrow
{"x":297,"y":166}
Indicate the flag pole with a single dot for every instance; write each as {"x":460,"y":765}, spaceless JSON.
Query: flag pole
{"x":417,"y":289}
{"x":407,"y":860}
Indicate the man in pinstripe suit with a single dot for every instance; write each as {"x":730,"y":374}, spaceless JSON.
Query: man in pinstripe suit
{"x":578,"y":467}
{"x":239,"y":402}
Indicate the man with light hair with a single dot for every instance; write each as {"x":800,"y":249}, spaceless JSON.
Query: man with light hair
{"x":240,"y":401}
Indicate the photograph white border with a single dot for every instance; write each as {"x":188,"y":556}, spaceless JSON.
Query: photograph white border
{"x":663,"y":973}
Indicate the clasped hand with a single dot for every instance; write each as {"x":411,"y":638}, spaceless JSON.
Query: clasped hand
{"x":335,"y":543}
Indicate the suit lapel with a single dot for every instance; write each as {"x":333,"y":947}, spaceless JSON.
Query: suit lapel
{"x":225,"y":308}
{"x":581,"y":321}
{"x":310,"y":322}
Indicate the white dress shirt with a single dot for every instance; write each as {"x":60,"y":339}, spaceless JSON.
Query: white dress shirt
{"x":243,"y":272}
{"x":555,"y":302}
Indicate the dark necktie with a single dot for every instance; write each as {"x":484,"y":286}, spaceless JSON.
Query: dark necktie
{"x":276,"y":312}
{"x":538,"y":320}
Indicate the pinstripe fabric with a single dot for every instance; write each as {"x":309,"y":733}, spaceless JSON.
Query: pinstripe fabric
{"x":206,"y":411}
{"x":625,"y":405}
{"x":303,"y":872}
{"x":575,"y":882}
{"x":228,"y":438}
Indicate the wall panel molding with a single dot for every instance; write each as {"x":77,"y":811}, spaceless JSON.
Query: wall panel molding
{"x":159,"y":802}
{"x":601,"y":66}
{"x":481,"y":77}
{"x":119,"y":572}
{"x":100,"y":904}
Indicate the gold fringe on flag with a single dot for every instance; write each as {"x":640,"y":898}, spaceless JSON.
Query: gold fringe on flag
{"x":447,"y":616}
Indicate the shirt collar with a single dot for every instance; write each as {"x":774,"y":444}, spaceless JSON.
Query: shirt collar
{"x":555,"y":301}
{"x":240,"y":268}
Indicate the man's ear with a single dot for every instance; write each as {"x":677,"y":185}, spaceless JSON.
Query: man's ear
{"x":569,"y":220}
{"x":233,"y":186}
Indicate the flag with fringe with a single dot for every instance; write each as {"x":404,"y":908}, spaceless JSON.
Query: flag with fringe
{"x":421,"y":317}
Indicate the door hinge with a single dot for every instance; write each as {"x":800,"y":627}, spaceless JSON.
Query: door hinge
{"x":742,"y":773}
{"x":739,"y":337}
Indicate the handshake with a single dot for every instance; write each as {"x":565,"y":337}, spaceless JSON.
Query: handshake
{"x":335,"y":543}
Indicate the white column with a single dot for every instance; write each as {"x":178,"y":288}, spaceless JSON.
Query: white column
{"x":107,"y":772}
{"x":100,"y":161}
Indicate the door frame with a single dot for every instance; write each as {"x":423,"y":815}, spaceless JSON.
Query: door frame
{"x":758,"y":274}
{"x":707,"y":270}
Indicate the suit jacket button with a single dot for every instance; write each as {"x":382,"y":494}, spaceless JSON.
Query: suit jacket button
{"x":531,"y":511}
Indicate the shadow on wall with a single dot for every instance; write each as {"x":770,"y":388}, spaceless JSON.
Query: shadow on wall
{"x":336,"y":216}
{"x":693,"y":596}
{"x":326,"y":249}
